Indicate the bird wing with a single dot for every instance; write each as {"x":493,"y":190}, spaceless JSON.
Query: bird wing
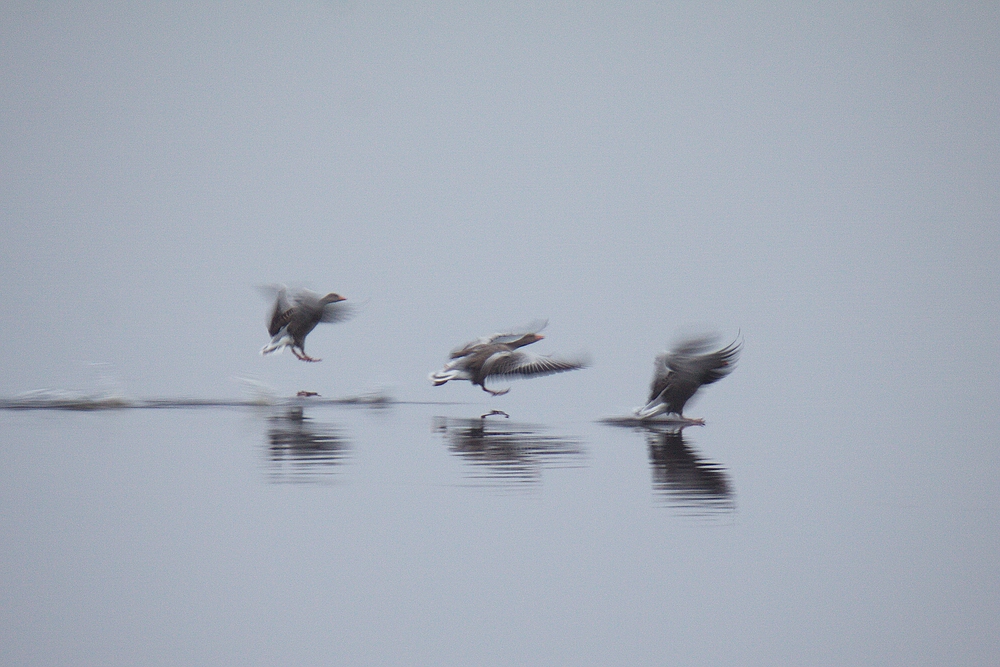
{"x":532,"y":327}
{"x":340,"y":311}
{"x":524,"y":364}
{"x":680,"y":373}
{"x":469,"y":348}
{"x":693,"y":345}
{"x":660,"y":375}
{"x":281,"y":313}
{"x":704,"y":368}
{"x":305,"y":299}
{"x":270,"y":292}
{"x":498,"y":338}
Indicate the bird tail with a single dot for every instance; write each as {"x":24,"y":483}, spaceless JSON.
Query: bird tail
{"x":438,"y":378}
{"x":278,"y":343}
{"x":651,"y":410}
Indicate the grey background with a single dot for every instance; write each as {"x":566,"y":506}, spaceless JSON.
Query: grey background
{"x":810,"y":176}
{"x":821,"y":179}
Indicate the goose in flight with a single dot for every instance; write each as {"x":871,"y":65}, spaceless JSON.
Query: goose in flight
{"x":296,"y":313}
{"x":680,"y":373}
{"x":498,"y":355}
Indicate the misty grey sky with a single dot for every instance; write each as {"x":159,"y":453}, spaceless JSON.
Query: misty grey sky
{"x":823,"y":178}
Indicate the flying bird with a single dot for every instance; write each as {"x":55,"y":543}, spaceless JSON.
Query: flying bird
{"x":498,"y":355}
{"x":680,"y":373}
{"x":296,"y":313}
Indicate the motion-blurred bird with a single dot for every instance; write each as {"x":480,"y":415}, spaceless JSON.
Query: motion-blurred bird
{"x":297,"y":313}
{"x":680,"y":373}
{"x":498,"y":355}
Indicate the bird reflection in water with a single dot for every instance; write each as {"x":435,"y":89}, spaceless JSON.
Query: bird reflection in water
{"x":302,"y":450}
{"x":682,"y":478}
{"x":507,"y":454}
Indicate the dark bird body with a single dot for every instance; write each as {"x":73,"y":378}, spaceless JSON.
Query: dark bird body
{"x":499,"y":355}
{"x":295,"y":315}
{"x":680,"y":373}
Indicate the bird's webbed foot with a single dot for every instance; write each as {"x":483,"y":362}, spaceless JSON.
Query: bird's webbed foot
{"x":303,"y":356}
{"x":496,"y":393}
{"x":690,"y":421}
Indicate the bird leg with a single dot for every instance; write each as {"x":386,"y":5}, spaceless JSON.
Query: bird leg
{"x":303,"y":356}
{"x":494,"y":393}
{"x":692,"y":421}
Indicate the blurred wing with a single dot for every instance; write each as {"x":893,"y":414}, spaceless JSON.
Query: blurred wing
{"x":338,"y":312}
{"x":523,"y":364}
{"x":271,"y":292}
{"x":468,"y":348}
{"x":680,"y":373}
{"x":532,"y":327}
{"x":304,"y":298}
{"x":498,"y":338}
{"x":660,"y":375}
{"x":694,"y":345}
{"x":704,"y":368}
{"x":281,"y":312}
{"x":674,"y":390}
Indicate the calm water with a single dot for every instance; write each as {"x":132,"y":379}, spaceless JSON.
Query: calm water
{"x":421,"y":534}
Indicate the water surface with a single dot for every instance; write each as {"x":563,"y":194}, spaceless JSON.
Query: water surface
{"x":422,"y":534}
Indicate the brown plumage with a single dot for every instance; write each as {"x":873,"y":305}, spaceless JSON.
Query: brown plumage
{"x":498,"y":356}
{"x":294,"y":316}
{"x":680,"y":373}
